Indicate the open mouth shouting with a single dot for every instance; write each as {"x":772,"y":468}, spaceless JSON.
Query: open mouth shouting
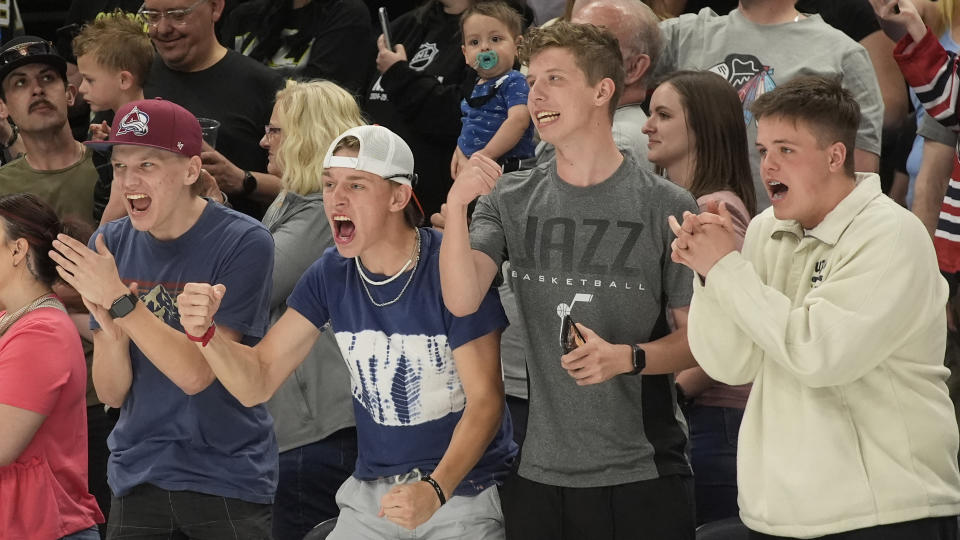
{"x":777,"y":190}
{"x":343,"y":229}
{"x":137,"y":203}
{"x":547,"y":117}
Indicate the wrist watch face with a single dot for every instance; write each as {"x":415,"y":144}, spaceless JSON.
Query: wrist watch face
{"x":639,"y":359}
{"x":249,"y":183}
{"x":123,"y":306}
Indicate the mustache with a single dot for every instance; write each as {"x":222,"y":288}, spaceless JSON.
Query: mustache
{"x":40,"y":103}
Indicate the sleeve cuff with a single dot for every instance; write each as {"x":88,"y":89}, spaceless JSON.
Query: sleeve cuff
{"x":722,"y":271}
{"x":396,"y":76}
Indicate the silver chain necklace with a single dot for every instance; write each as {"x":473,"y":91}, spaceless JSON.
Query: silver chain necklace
{"x":364,"y":279}
{"x":363,"y":275}
{"x":45,"y":300}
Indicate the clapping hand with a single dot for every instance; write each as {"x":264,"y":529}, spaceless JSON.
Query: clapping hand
{"x":703,"y":239}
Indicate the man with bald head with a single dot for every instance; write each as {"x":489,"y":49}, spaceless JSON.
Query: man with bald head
{"x":635,"y":26}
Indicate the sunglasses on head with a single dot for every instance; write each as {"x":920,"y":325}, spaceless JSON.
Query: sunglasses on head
{"x":31,"y":48}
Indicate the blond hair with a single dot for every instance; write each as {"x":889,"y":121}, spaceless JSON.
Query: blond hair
{"x":117,"y":41}
{"x":311,"y":114}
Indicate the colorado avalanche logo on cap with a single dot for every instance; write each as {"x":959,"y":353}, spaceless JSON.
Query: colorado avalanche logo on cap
{"x":134,"y":122}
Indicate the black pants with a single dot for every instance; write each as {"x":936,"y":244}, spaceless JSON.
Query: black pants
{"x":658,"y":509}
{"x":99,"y":425}
{"x":148,"y":513}
{"x":944,"y":528}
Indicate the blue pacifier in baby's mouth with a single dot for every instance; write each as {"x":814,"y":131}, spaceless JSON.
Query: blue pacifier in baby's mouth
{"x":487,"y":59}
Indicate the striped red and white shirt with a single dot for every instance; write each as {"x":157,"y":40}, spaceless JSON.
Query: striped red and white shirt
{"x":932,"y":72}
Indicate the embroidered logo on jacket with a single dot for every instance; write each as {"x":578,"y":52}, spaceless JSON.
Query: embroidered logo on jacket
{"x":817,"y":278}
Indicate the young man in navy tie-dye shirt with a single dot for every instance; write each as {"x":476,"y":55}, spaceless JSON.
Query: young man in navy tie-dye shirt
{"x":433,"y":433}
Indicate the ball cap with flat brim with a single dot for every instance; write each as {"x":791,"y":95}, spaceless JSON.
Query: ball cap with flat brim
{"x":382,"y":152}
{"x":155,"y":123}
{"x":24,"y":50}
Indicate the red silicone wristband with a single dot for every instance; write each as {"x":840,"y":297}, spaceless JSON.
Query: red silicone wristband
{"x":205,"y":338}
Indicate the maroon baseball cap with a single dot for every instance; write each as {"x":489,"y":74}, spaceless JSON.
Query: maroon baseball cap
{"x":155,"y":123}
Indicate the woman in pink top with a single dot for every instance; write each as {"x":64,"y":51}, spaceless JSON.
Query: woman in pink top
{"x":698,"y":138}
{"x":43,"y":374}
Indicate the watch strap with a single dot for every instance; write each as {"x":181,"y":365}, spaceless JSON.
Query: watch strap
{"x":249,"y":183}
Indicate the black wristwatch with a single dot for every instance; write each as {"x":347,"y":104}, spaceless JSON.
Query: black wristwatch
{"x":639,"y":360}
{"x":122,"y":306}
{"x":249,"y":183}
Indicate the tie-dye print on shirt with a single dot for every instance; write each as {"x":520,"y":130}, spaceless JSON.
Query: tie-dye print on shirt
{"x":407,"y":393}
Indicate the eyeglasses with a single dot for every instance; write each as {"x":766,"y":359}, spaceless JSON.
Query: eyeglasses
{"x":177,"y":17}
{"x":271,"y":132}
{"x":31,"y":48}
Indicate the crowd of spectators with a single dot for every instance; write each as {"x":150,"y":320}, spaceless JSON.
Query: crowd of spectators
{"x":525,"y":269}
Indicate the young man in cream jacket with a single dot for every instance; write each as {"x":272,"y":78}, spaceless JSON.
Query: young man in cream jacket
{"x":835,"y":311}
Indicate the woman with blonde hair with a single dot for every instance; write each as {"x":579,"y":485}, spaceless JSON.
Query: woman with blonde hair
{"x":312,"y":411}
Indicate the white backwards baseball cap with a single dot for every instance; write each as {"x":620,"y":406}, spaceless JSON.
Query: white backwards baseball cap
{"x":382,"y":152}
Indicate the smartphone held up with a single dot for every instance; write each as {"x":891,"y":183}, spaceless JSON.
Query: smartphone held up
{"x":385,"y":27}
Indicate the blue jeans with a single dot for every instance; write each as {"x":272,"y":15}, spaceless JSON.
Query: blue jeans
{"x":93,"y":533}
{"x":309,"y":479}
{"x":713,"y":442}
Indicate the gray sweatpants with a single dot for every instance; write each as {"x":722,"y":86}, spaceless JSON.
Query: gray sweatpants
{"x":462,"y":517}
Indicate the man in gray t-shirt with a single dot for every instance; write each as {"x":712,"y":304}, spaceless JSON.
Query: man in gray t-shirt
{"x":765,"y":43}
{"x":587,"y":236}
